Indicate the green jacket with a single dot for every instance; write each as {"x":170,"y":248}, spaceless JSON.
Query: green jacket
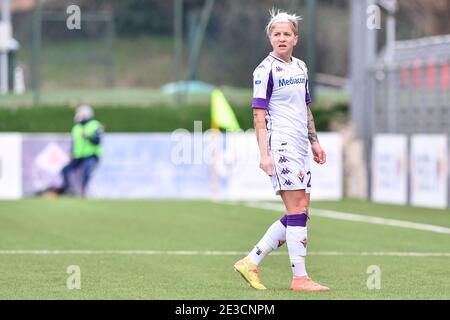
{"x":86,"y":139}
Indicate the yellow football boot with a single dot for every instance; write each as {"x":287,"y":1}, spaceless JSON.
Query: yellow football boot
{"x":250,"y":273}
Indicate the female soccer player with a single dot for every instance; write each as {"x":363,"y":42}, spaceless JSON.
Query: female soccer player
{"x":284,"y":124}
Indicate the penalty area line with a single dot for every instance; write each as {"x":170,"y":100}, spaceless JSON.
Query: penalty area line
{"x":350,"y":217}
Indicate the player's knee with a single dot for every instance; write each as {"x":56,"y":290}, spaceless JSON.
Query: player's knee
{"x":299,"y":209}
{"x":303,"y":205}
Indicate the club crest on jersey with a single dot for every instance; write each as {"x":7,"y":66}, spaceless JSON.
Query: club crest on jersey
{"x":301,"y":176}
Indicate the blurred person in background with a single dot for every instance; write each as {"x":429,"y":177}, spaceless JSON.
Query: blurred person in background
{"x":85,"y":150}
{"x":284,"y":128}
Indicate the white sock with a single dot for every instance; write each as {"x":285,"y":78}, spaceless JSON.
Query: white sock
{"x":271,"y":240}
{"x":298,"y":266}
{"x":296,"y":239}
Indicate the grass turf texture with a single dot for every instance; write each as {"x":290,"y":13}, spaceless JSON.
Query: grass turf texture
{"x":72,"y":224}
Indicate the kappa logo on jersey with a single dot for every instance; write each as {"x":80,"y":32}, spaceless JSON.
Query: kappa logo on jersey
{"x":283,"y":159}
{"x":285,"y":171}
{"x":288,"y":183}
{"x":283,"y":82}
{"x":301,"y":67}
{"x":278,"y":69}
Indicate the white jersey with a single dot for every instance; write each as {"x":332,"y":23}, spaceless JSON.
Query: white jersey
{"x":281,"y":88}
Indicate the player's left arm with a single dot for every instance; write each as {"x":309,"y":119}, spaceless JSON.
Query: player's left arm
{"x":318,"y":154}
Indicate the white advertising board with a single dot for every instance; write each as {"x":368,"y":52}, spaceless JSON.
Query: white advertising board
{"x":429,"y":181}
{"x":390,"y":169}
{"x":326,"y":179}
{"x":179,"y":166}
{"x":247,"y":181}
{"x":10,"y":166}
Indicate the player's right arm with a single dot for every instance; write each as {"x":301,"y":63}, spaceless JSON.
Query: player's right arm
{"x":260,"y":104}
{"x":259,"y":121}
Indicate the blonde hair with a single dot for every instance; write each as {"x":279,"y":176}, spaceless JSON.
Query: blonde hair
{"x":282,"y":16}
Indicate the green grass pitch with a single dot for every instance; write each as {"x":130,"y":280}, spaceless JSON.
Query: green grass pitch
{"x":179,"y":227}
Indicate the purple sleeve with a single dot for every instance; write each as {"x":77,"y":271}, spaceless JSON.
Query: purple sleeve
{"x":308,"y":98}
{"x":262,"y":92}
{"x":260,"y":103}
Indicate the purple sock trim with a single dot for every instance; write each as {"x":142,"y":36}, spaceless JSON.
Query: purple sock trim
{"x":283,"y":220}
{"x":297,"y":220}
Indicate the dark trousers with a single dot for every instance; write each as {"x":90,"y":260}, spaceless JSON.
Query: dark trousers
{"x":86,"y":166}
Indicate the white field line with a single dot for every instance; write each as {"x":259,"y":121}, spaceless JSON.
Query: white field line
{"x":214,"y":253}
{"x":269,"y":206}
{"x":352,"y":217}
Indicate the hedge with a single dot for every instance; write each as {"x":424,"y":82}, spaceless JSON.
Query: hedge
{"x":137,"y":119}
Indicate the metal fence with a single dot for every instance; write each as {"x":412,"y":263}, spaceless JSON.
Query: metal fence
{"x":404,"y":89}
{"x":152,"y":43}
{"x":88,"y":51}
{"x":53,"y":55}
{"x":411,"y":93}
